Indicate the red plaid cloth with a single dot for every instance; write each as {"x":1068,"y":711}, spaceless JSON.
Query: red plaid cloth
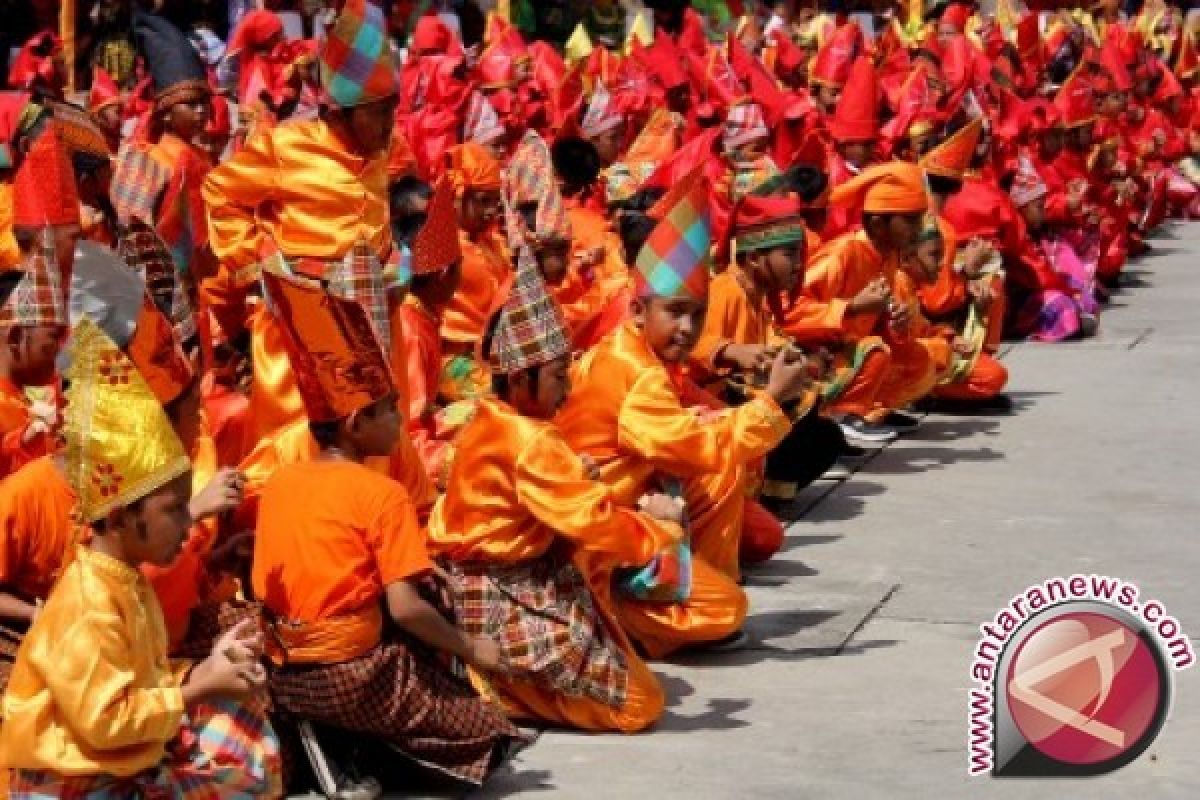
{"x":222,"y":751}
{"x":542,"y":614}
{"x":405,"y":697}
{"x":39,"y":297}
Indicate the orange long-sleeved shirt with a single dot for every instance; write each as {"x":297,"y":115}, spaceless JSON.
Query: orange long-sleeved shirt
{"x":486,"y":272}
{"x":517,"y":487}
{"x":36,"y":530}
{"x":299,"y":186}
{"x":841,"y":269}
{"x":625,"y":411}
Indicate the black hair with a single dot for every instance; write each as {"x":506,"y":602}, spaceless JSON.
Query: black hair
{"x":634,"y":228}
{"x":577,"y":163}
{"x":325,"y":433}
{"x":641,"y":200}
{"x":940,"y":184}
{"x":403,"y":196}
{"x":808,"y":182}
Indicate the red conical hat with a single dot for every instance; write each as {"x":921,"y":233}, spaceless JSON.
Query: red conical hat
{"x":834,"y":59}
{"x":104,"y":92}
{"x":856,"y":118}
{"x":951,"y":158}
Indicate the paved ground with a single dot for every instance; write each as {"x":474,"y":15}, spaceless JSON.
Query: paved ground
{"x":866,"y":622}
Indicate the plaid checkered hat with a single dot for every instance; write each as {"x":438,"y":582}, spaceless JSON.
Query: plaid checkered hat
{"x":1027,"y":185}
{"x":356,"y":61}
{"x":482,"y":124}
{"x":38,"y":298}
{"x":674,"y":260}
{"x":530,"y":178}
{"x":531,"y":330}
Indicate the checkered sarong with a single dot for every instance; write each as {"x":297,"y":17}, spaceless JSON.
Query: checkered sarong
{"x":405,"y":697}
{"x":138,"y":184}
{"x":359,"y":277}
{"x":222,"y":751}
{"x":11,"y":637}
{"x":147,"y":255}
{"x":542,"y":614}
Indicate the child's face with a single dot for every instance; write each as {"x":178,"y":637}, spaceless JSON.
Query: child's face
{"x":376,"y":429}
{"x":929,"y":258}
{"x":1034,"y":213}
{"x":155,"y":532}
{"x":671,"y":325}
{"x":553,"y":386}
{"x":778,"y":269}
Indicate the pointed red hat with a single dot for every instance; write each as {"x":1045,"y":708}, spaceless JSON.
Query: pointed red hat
{"x":104,"y":91}
{"x":44,"y":190}
{"x":956,"y":15}
{"x":833,"y":61}
{"x":1075,"y":102}
{"x":951,"y":158}
{"x":856,"y":118}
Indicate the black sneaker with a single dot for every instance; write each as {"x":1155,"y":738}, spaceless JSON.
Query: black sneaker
{"x":901,"y":422}
{"x":863,"y":434}
{"x":852,"y":452}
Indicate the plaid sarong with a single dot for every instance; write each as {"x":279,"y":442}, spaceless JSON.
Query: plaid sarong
{"x":222,"y":751}
{"x":138,"y":184}
{"x":402,"y":695}
{"x":147,"y":255}
{"x":846,"y":365}
{"x":359,"y":277}
{"x":11,"y":637}
{"x":543,"y":615}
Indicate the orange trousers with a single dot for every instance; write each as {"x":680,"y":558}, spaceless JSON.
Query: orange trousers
{"x":715,"y":609}
{"x":859,"y":397}
{"x":986,"y":380}
{"x":913,"y":375}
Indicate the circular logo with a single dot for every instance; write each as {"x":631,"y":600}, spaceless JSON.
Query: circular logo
{"x":1086,"y":689}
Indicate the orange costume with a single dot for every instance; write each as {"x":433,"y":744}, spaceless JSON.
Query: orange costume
{"x":845,"y":266}
{"x":486,"y":269}
{"x":515,"y":493}
{"x":297,"y":190}
{"x":36,"y":504}
{"x":597,"y":290}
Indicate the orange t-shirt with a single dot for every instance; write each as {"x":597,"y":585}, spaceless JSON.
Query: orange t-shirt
{"x":331,"y":536}
{"x":36,"y":531}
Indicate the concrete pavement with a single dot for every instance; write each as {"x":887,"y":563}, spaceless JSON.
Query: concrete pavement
{"x":864,"y":626}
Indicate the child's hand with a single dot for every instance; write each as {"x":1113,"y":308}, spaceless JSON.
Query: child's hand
{"x":747,"y":357}
{"x":662,"y":507}
{"x":234,"y":669}
{"x":590,"y":468}
{"x":223,"y":493}
{"x":487,"y":656}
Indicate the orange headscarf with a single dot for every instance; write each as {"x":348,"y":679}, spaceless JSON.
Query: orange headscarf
{"x":472,"y":167}
{"x":897,"y":187}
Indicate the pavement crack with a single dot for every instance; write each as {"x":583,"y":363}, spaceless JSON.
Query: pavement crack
{"x":866,"y":618}
{"x":1141,"y":337}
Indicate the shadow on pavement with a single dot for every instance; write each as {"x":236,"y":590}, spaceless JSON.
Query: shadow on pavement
{"x":910,"y":460}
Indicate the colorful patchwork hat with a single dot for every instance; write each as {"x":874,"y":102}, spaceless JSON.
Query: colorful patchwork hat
{"x":674,"y":260}
{"x":120,"y":446}
{"x":334,"y":351}
{"x":356,"y":62}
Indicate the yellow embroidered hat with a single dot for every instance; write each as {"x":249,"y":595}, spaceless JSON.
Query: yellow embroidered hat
{"x":120,"y":446}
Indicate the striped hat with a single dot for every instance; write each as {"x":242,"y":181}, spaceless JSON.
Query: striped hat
{"x":357,"y":65}
{"x":745,"y":124}
{"x":530,"y":178}
{"x":1027,"y":185}
{"x":39,"y":297}
{"x":601,"y":115}
{"x":674,"y":260}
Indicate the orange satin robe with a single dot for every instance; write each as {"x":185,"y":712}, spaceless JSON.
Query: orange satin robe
{"x":517,"y":490}
{"x":594,"y":299}
{"x":733,"y":318}
{"x":36,"y":529}
{"x":422,"y":366}
{"x":625,"y":412}
{"x":486,"y":273}
{"x":14,"y":418}
{"x":327,"y":561}
{"x":841,"y":269}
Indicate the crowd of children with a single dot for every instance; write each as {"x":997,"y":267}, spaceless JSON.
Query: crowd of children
{"x":392,"y":398}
